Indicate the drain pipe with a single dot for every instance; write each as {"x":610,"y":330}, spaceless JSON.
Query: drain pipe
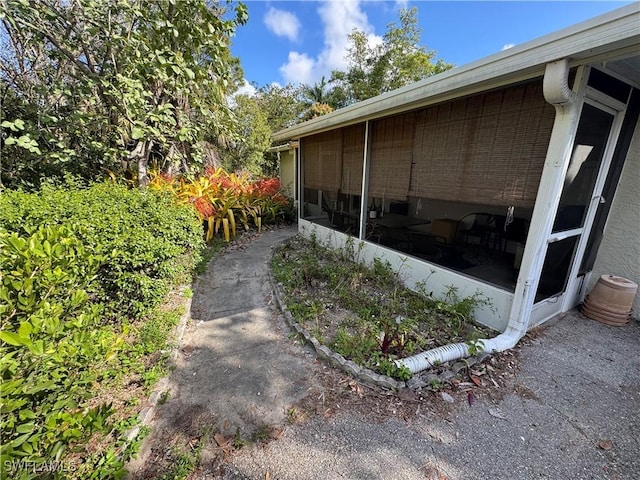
{"x":558,"y":93}
{"x":505,"y":341}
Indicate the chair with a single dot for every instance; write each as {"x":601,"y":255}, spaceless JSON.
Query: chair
{"x":341,"y":221}
{"x":395,"y":238}
{"x":478,"y":225}
{"x":516,"y":231}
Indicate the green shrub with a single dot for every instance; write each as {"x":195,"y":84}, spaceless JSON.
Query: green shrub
{"x":148,"y":241}
{"x":78,"y":266}
{"x":49,"y":344}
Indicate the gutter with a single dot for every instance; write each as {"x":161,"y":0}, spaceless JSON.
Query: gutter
{"x":558,"y":93}
{"x":283,"y":148}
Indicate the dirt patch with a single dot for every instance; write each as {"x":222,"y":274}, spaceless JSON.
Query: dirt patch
{"x":367,"y":314}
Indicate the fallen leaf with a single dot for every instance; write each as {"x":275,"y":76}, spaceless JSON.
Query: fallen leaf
{"x":465,"y":385}
{"x":356,"y":388}
{"x":471,"y":398}
{"x":475,"y":380}
{"x":605,"y":444}
{"x":267,"y":475}
{"x":222,"y":440}
{"x":496,"y":412}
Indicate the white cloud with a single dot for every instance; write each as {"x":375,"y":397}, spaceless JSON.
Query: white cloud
{"x":282,"y":23}
{"x":507,"y":46}
{"x":339,"y":20}
{"x":299,"y":68}
{"x":246,"y":89}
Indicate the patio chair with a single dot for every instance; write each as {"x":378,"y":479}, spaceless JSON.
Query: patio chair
{"x":395,"y":238}
{"x":477,"y":225}
{"x":515,"y":231}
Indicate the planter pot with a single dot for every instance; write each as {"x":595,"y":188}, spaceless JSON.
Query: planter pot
{"x":611,"y":300}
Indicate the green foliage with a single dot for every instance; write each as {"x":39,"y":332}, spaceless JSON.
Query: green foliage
{"x":254,"y":138}
{"x":460,"y":310}
{"x":145,"y":239}
{"x":144,"y":81}
{"x":49,"y":343}
{"x":155,"y":331}
{"x":282,"y":105}
{"x":68,"y":332}
{"x":398,"y":61}
{"x":367,"y":314}
{"x":269,"y":109}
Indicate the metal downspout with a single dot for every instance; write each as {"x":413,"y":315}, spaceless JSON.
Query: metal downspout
{"x":559,"y":94}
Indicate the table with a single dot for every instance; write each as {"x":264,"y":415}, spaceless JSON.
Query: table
{"x":394,"y":220}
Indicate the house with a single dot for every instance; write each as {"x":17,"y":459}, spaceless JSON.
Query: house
{"x":287,"y":168}
{"x":517,"y":176}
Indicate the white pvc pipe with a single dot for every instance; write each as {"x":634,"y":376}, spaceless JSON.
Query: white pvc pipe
{"x":455,"y":351}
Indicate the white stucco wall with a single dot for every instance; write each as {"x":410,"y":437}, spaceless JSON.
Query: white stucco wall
{"x":287,"y":172}
{"x":619,"y":252}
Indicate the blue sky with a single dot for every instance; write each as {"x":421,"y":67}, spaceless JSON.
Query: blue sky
{"x":299,"y":42}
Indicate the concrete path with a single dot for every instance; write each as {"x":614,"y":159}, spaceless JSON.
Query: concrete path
{"x":236,"y":359}
{"x":571,"y":411}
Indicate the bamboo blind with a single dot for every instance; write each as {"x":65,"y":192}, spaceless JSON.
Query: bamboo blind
{"x":391,"y":156}
{"x":488,"y":148}
{"x":352,"y":159}
{"x":322,"y":160}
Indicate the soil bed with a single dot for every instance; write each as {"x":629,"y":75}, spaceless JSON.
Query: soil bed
{"x":367,"y":314}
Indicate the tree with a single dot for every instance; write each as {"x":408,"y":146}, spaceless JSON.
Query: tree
{"x":107,"y":82}
{"x":270,"y":109}
{"x":247,"y":153}
{"x":317,"y":99}
{"x":282,"y":105}
{"x":398,"y":61}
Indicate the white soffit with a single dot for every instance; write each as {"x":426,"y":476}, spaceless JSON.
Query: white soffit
{"x":615,"y":34}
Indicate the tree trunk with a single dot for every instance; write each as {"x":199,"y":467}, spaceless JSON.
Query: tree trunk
{"x":140,"y":157}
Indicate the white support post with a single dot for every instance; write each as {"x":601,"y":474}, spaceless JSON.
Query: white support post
{"x":365,"y":184}
{"x":568,"y":107}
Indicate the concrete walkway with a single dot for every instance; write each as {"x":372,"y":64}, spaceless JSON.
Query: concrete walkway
{"x":572,"y":410}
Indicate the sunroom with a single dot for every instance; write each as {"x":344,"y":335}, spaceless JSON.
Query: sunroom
{"x":496,"y":177}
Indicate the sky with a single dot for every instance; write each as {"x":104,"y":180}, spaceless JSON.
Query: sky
{"x":299,"y":42}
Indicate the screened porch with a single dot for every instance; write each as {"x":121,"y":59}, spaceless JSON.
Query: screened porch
{"x":452,"y":184}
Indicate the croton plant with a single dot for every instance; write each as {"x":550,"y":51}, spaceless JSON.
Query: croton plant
{"x":222,"y":199}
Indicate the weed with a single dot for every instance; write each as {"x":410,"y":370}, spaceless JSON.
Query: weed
{"x":292,"y":415}
{"x":384,"y":319}
{"x":238,"y":442}
{"x":155,"y":331}
{"x":183,"y":464}
{"x":187,"y":293}
{"x":261,"y":434}
{"x":164,"y":396}
{"x":435,"y":384}
{"x":475,"y":347}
